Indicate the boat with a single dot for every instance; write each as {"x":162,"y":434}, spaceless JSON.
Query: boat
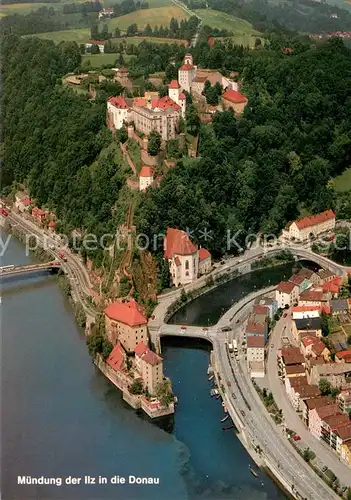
{"x":224,"y":418}
{"x":228,"y":428}
{"x":210,"y":378}
{"x":214,"y":392}
{"x":209,"y":370}
{"x":253,"y":472}
{"x":218,"y":396}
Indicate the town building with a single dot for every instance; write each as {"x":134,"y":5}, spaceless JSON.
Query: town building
{"x":313,"y":346}
{"x":317,"y":416}
{"x":146,"y":177}
{"x":175,"y":93}
{"x":256,"y":328}
{"x":310,"y":275}
{"x":235,"y":100}
{"x":255,"y":348}
{"x":149,"y":365}
{"x":39,"y":215}
{"x":22,"y":202}
{"x":186,"y":73}
{"x":309,"y":404}
{"x":97,"y":43}
{"x":106,"y":12}
{"x":300,"y":281}
{"x":286,"y":294}
{"x":271,"y":304}
{"x":306,"y":326}
{"x":343,"y":356}
{"x":125,"y":324}
{"x":299,"y":391}
{"x":337,"y":374}
{"x":315,"y":225}
{"x":295,"y":371}
{"x":312,"y":297}
{"x":331,"y":426}
{"x":325,"y":276}
{"x":343,"y":400}
{"x":345,"y":453}
{"x":304,"y":312}
{"x":256,"y":369}
{"x":339,"y":306}
{"x":183,"y":257}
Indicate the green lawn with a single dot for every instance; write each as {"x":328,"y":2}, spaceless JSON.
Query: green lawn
{"x":221,"y":20}
{"x":135,"y":40}
{"x":80,"y":35}
{"x":244,"y":40}
{"x":154,"y":17}
{"x":152,"y":3}
{"x":343,"y":181}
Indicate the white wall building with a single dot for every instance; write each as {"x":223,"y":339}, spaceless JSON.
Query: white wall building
{"x":314,"y":225}
{"x":286,"y":294}
{"x":187,"y":73}
{"x":146,"y":177}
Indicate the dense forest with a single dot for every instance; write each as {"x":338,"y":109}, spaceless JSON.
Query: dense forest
{"x":253,"y":173}
{"x":258,"y":172}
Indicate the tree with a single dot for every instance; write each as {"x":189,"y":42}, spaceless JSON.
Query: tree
{"x":154,"y":143}
{"x":192,"y":120}
{"x":258,"y":43}
{"x":308,"y":455}
{"x":137,"y":386}
{"x":117,"y":32}
{"x":324,"y":386}
{"x":132,"y":30}
{"x":164,"y":393}
{"x":94,"y":32}
{"x":325,"y":324}
{"x":171,"y":72}
{"x":334,"y":391}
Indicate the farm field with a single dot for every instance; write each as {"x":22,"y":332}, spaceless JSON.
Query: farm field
{"x":152,"y":3}
{"x":221,"y":20}
{"x":343,"y":182}
{"x":154,"y":17}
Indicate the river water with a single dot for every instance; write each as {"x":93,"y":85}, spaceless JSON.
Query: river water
{"x":60,"y":417}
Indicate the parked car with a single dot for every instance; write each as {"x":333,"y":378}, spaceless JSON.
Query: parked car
{"x":297,"y":438}
{"x":284,"y":315}
{"x":183,"y":327}
{"x":226,"y":329}
{"x":243,"y":413}
{"x":272,"y":345}
{"x":324,"y":468}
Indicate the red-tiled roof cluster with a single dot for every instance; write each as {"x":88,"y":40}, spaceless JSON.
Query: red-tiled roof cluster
{"x":312,"y":295}
{"x":315,"y":219}
{"x":126,"y":312}
{"x":292,"y":356}
{"x":253,"y":327}
{"x":305,"y":308}
{"x":165,"y":103}
{"x":96,"y":42}
{"x":294,"y":369}
{"x":257,"y":309}
{"x":177,"y":242}
{"x":296,"y":279}
{"x":234,"y":96}
{"x":39,"y":212}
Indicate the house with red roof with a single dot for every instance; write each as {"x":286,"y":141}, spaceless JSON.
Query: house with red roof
{"x":22,"y":201}
{"x":286,"y":293}
{"x":175,"y":93}
{"x":117,"y":358}
{"x":146,"y":177}
{"x":125,"y":323}
{"x":149,"y":365}
{"x":318,"y":415}
{"x":39,"y":215}
{"x":97,"y":43}
{"x":235,"y":100}
{"x":313,"y":346}
{"x":314,"y":225}
{"x":343,"y":356}
{"x":186,"y":262}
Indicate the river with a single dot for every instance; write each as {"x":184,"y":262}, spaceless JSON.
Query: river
{"x":60,"y":417}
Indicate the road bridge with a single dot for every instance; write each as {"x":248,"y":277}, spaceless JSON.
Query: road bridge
{"x":8,"y":271}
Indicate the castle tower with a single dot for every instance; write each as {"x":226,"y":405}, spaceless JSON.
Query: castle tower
{"x":188,"y":59}
{"x":174,"y":92}
{"x":187,"y":73}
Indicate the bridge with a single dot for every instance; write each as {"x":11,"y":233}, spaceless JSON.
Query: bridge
{"x":6,"y":271}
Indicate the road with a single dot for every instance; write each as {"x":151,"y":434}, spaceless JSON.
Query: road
{"x":73,"y":267}
{"x":266,"y":434}
{"x":292,"y":419}
{"x":186,"y":9}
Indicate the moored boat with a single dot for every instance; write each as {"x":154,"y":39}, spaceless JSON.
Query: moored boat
{"x":224,"y":418}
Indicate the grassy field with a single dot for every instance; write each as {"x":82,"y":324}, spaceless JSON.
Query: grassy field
{"x":81,"y":35}
{"x":245,"y":40}
{"x":154,"y":17}
{"x":135,"y":40}
{"x":220,"y":20}
{"x":343,"y":181}
{"x":152,"y":3}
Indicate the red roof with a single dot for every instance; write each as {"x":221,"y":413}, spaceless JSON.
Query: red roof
{"x":97,"y":42}
{"x":345,"y":355}
{"x":140,"y":349}
{"x":330,"y":287}
{"x":38,"y":211}
{"x":116,"y":357}
{"x":315,"y":219}
{"x":296,"y":279}
{"x":312,"y":295}
{"x":204,"y":254}
{"x":285,"y":287}
{"x":327,"y":411}
{"x":253,"y":327}
{"x":150,"y":357}
{"x":234,"y":96}
{"x":186,"y":67}
{"x":255,"y":341}
{"x":174,"y":85}
{"x":126,"y":312}
{"x":177,"y":242}
{"x":336,"y":421}
{"x":165,"y":103}
{"x":119,"y":102}
{"x":182,"y":96}
{"x":257,"y":309}
{"x":26,"y":201}
{"x":305,"y":308}
{"x":52,"y":223}
{"x":146,"y":171}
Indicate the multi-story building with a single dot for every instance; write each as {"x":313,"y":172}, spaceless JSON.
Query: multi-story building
{"x":344,"y":400}
{"x":311,"y":226}
{"x":339,"y":306}
{"x":337,"y":374}
{"x":312,"y":297}
{"x":299,"y":391}
{"x":184,"y":258}
{"x":270,"y":303}
{"x":330,"y":425}
{"x":125,"y":324}
{"x":300,"y":281}
{"x":310,"y":275}
{"x":235,"y":100}
{"x":305,"y":312}
{"x":313,"y":346}
{"x":175,"y":93}
{"x":286,"y":294}
{"x":187,"y":72}
{"x":149,"y":365}
{"x":256,"y":329}
{"x":255,"y":348}
{"x":343,"y":356}
{"x":309,"y":404}
{"x":317,"y":416}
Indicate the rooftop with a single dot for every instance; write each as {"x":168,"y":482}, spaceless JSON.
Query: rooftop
{"x":339,"y":305}
{"x":204,"y":254}
{"x":285,"y":287}
{"x":296,"y":382}
{"x":116,"y":357}
{"x":336,"y":421}
{"x":253,"y":327}
{"x":186,"y":67}
{"x":146,"y":171}
{"x":140,"y":349}
{"x":319,"y":402}
{"x":177,"y":242}
{"x":327,"y":410}
{"x":234,"y":96}
{"x":344,"y":432}
{"x":125,"y":312}
{"x":344,"y":355}
{"x":119,"y":102}
{"x":312,"y":295}
{"x":297,"y":279}
{"x":325,"y":273}
{"x":292,"y":356}
{"x":150,"y":357}
{"x":255,"y":341}
{"x":294,"y":369}
{"x":315,"y":219}
{"x":308,"y":391}
{"x":306,"y":273}
{"x":174,"y":85}
{"x":257,"y":309}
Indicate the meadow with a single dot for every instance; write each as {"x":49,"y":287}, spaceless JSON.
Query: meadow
{"x":343,"y":182}
{"x":154,"y":17}
{"x":221,"y":20}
